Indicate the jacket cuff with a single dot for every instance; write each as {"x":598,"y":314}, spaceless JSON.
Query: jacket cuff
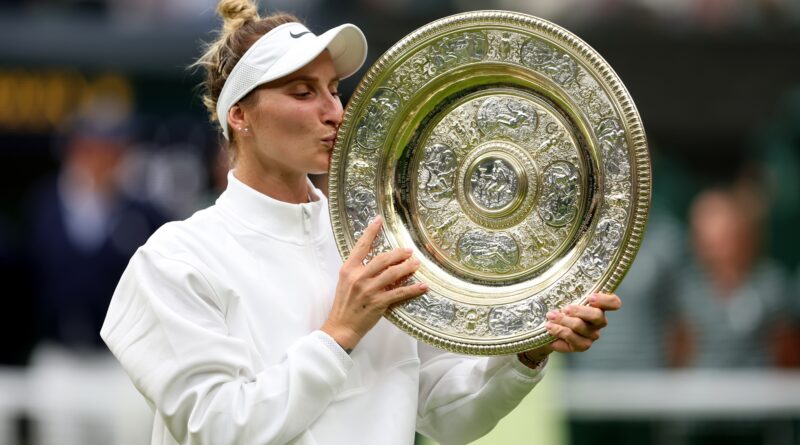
{"x":333,"y":350}
{"x":534,"y":374}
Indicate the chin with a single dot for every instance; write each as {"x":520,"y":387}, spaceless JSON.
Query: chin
{"x":319,"y":170}
{"x":321,"y":167}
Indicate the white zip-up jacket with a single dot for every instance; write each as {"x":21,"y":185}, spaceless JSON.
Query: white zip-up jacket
{"x":216,"y":320}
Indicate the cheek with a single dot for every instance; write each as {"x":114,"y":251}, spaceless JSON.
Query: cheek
{"x":292,"y":121}
{"x":275,"y":115}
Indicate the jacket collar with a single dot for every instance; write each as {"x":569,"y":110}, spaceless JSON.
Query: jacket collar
{"x":290,"y":222}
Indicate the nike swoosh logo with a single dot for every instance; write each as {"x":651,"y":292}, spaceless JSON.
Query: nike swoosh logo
{"x":297,"y":36}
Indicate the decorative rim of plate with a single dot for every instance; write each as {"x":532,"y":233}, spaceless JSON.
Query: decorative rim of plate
{"x":641,"y":170}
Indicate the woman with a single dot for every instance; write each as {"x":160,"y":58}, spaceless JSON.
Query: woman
{"x":242,"y":325}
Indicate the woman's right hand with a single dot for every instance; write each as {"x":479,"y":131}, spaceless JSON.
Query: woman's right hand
{"x":365,"y":291}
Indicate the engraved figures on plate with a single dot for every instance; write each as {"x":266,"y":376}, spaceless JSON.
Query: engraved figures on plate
{"x":436,"y":176}
{"x":494,"y":184}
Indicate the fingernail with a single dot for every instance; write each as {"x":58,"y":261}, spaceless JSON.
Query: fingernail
{"x":423,"y":286}
{"x":377,"y":219}
{"x":592,"y":298}
{"x":551,"y":315}
{"x":414,"y":262}
{"x":549,"y":326}
{"x":568,"y":310}
{"x":408,"y":250}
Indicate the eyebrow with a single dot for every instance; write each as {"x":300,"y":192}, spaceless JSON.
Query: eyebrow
{"x":305,"y":78}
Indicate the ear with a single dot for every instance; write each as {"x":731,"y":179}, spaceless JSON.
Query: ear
{"x":237,"y":119}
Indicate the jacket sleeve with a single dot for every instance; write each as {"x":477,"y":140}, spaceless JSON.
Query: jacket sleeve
{"x":462,"y":398}
{"x":167,"y":328}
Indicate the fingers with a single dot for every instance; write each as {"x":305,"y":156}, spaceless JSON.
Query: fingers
{"x":364,"y":244}
{"x":564,"y":346}
{"x":403,"y":293}
{"x":567,"y":339}
{"x":576,"y":325}
{"x":395,"y":273}
{"x":386,"y":259}
{"x":605,"y":302}
{"x":588,"y":314}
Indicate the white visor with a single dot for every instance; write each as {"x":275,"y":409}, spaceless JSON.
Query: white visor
{"x":285,"y":50}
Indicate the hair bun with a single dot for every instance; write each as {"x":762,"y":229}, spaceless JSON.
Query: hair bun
{"x":236,"y":13}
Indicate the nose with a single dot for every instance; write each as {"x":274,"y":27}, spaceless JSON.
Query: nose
{"x":332,"y":111}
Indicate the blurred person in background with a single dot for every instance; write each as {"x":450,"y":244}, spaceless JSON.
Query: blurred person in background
{"x":241,"y":324}
{"x":82,"y":233}
{"x":729,"y":302}
{"x":732,"y":300}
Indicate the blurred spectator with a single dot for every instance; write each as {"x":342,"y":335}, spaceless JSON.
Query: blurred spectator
{"x":83,"y":231}
{"x":731,"y":299}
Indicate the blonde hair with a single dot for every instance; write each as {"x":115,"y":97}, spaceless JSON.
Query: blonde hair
{"x":241,"y":28}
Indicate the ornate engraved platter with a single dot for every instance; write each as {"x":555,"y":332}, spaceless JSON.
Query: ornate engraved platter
{"x":509,"y":155}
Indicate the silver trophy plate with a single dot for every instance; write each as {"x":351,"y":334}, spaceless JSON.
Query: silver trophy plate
{"x":508,"y":154}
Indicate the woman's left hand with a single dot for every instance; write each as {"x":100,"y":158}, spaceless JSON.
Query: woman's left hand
{"x":576,"y":326}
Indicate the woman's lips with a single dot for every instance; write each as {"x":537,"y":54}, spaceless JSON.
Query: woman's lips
{"x":329,"y":140}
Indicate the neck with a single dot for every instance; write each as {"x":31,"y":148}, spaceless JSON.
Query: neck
{"x":727,"y":278}
{"x":287,"y":188}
